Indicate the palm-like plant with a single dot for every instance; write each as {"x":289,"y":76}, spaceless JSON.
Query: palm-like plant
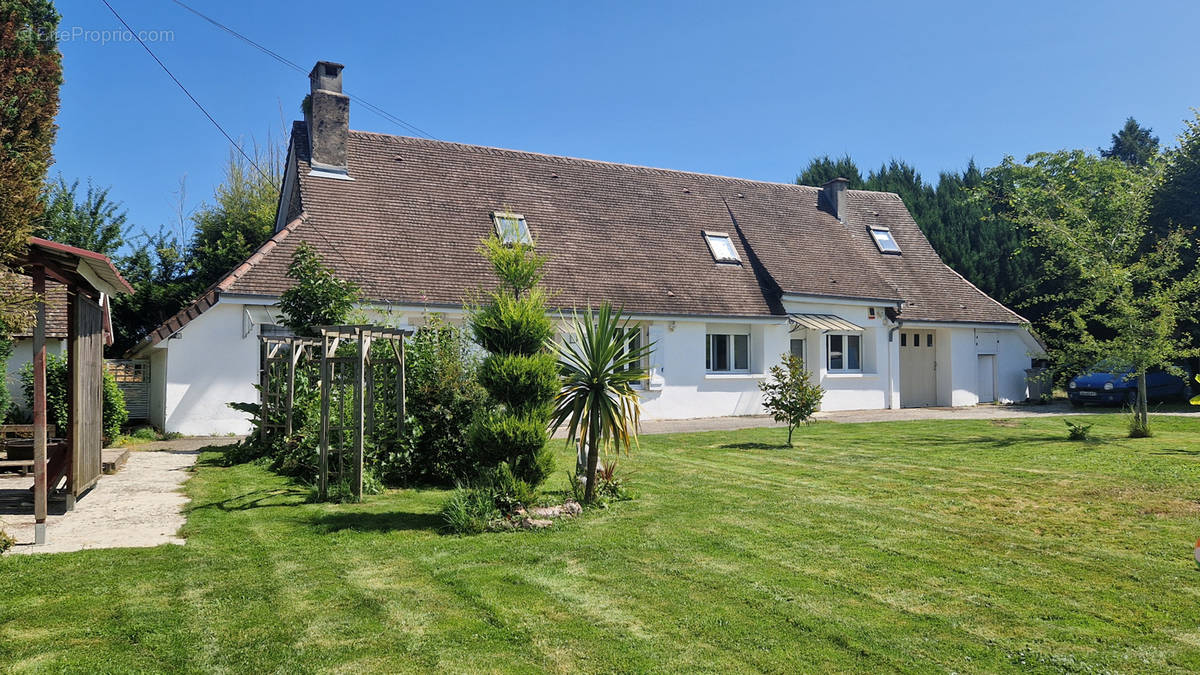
{"x":597,"y":401}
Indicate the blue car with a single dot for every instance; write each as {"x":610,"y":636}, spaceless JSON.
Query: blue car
{"x":1116,"y":386}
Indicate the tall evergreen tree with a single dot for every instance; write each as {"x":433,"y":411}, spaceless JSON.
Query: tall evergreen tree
{"x":918,"y":196}
{"x":1177,"y":200}
{"x":29,"y":83}
{"x":1133,"y":144}
{"x":824,"y":169}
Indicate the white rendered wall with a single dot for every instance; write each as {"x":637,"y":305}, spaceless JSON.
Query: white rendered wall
{"x":866,"y":390}
{"x":963,"y":372}
{"x":158,"y":388}
{"x":22,"y":353}
{"x":1012,"y":359}
{"x":207,"y":367}
{"x":196,"y":375}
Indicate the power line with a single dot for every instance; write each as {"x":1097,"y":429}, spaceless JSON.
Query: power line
{"x":184,"y":89}
{"x":298,"y":68}
{"x":215,"y":123}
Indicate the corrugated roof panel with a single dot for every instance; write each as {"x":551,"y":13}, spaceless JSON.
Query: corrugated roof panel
{"x":823,"y":322}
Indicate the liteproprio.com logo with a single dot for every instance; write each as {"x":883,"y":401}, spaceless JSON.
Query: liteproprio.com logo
{"x":97,"y":36}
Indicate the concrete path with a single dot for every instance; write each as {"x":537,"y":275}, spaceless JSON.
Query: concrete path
{"x":139,"y":506}
{"x":982,"y":412}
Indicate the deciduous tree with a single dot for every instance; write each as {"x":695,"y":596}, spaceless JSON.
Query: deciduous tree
{"x":1113,"y":289}
{"x":790,"y":396}
{"x":319,"y":297}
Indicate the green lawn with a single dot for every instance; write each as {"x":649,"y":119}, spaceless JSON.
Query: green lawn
{"x":971,"y":546}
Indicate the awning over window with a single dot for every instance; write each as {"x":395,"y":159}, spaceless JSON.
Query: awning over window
{"x":822,"y":322}
{"x":257,"y":315}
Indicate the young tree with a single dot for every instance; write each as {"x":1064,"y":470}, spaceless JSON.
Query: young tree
{"x":519,"y":373}
{"x":597,"y":401}
{"x":95,"y":223}
{"x":29,"y":85}
{"x":319,"y":298}
{"x":1113,"y":289}
{"x":1133,"y":144}
{"x":790,"y":396}
{"x":241,"y":218}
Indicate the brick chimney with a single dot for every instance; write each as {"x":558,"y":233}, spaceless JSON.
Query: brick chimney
{"x":834,"y":193}
{"x":328,"y":118}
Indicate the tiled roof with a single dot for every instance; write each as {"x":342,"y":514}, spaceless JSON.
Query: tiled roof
{"x":407,"y":227}
{"x":56,"y":305}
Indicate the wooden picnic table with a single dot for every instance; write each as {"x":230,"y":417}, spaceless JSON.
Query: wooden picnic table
{"x":19,"y":453}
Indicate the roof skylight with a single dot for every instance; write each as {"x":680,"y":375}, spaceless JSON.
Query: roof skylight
{"x":511,"y":227}
{"x":884,"y":240}
{"x":721,"y":247}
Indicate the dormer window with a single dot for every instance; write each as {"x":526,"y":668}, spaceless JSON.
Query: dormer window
{"x":721,"y":247}
{"x":884,"y":240}
{"x":511,"y":227}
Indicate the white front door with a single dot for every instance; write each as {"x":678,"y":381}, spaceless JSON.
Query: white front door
{"x":918,"y":369}
{"x":987,"y":378}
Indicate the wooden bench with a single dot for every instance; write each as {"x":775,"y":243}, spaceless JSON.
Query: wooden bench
{"x":9,"y":432}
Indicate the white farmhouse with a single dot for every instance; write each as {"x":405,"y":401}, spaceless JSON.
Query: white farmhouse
{"x":724,"y":275}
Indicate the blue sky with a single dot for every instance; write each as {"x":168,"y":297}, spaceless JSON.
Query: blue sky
{"x":745,"y":89}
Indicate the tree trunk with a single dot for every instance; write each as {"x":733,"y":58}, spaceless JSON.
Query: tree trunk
{"x":581,"y":455}
{"x":593,"y":459}
{"x":790,"y":428}
{"x":1143,"y":416}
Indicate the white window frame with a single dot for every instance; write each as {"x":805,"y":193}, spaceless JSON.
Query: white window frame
{"x":730,"y":353}
{"x":845,"y":344}
{"x":803,"y":349}
{"x":895,"y":245}
{"x":641,"y":338}
{"x":522,"y":233}
{"x":723,"y":257}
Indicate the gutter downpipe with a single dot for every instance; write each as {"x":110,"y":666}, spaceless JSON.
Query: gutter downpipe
{"x":892,"y":385}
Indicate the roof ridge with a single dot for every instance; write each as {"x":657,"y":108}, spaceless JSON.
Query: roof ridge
{"x":565,"y":159}
{"x":877,"y":194}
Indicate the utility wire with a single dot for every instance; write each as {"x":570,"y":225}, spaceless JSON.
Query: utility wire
{"x":215,"y":123}
{"x":300,"y":69}
{"x":184,"y":89}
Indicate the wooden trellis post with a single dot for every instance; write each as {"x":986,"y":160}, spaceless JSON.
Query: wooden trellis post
{"x":293,"y":357}
{"x":264,"y":388}
{"x":359,"y":411}
{"x":323,"y":485}
{"x":354,"y":410}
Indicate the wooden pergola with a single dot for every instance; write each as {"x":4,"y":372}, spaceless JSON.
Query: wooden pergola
{"x":351,"y":385}
{"x":90,"y":279}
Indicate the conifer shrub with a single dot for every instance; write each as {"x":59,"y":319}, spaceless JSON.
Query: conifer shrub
{"x":520,"y":373}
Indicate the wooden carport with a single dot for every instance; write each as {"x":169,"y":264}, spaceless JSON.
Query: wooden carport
{"x":90,"y":279}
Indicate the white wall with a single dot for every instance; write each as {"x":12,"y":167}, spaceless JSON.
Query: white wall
{"x":208,"y":366}
{"x":194,"y":376}
{"x":867,"y":390}
{"x":23,"y":353}
{"x":958,"y":358}
{"x":1012,"y":359}
{"x":158,"y":387}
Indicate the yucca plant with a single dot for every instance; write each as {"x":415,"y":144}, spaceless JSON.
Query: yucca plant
{"x":597,"y":401}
